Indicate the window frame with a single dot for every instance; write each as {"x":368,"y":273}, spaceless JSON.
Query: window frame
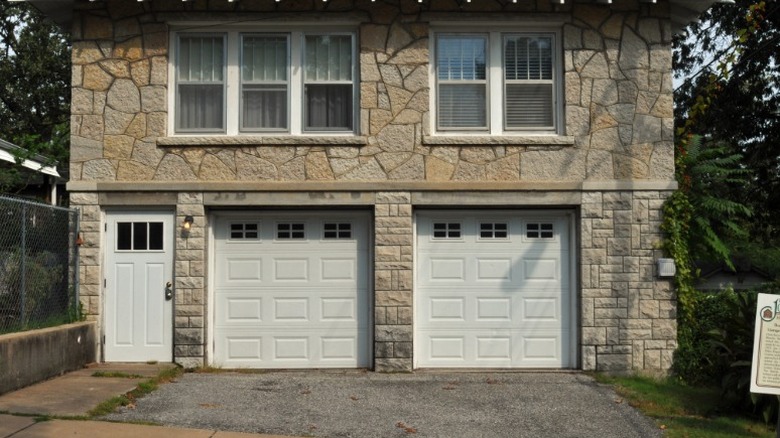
{"x":233,"y":83}
{"x":496,"y":79}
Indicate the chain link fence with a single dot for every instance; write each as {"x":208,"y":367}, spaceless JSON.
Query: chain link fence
{"x":38,"y":265}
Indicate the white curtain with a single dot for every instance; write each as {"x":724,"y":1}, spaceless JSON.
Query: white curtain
{"x":264,"y":82}
{"x":201,"y":87}
{"x":328,"y":82}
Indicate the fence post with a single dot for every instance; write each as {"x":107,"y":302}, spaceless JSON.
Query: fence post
{"x":23,"y":265}
{"x":77,"y":303}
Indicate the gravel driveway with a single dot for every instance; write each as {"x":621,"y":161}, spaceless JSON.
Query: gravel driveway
{"x":366,"y":404}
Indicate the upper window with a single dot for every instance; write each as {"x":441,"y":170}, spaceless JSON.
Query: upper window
{"x":496,"y":82}
{"x":240,"y":82}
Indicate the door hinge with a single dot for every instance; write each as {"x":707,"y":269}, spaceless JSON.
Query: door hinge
{"x":104,"y":283}
{"x":105,"y":226}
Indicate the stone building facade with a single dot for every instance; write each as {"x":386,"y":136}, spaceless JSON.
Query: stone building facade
{"x":607,"y":169}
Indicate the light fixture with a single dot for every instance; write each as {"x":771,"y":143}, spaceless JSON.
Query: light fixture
{"x":188,"y":220}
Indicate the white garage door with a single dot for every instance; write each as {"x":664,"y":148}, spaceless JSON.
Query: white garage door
{"x":493,"y":290}
{"x":291,"y":290}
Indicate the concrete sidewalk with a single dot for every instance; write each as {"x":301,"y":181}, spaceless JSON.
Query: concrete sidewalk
{"x":75,"y":394}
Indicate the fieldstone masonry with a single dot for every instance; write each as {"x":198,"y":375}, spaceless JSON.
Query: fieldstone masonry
{"x":618,"y":128}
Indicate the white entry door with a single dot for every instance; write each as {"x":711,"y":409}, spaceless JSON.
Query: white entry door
{"x":493,"y":290}
{"x":138,"y":287}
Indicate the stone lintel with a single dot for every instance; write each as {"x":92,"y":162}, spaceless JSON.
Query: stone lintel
{"x":263,"y":140}
{"x":498,"y":198}
{"x":629,"y":185}
{"x":212,"y":18}
{"x":136,"y":198}
{"x":491,"y":18}
{"x":309,"y":198}
{"x":492,"y":140}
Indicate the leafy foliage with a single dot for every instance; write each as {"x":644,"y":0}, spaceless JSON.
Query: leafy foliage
{"x":34,"y":84}
{"x":714,"y":171}
{"x":732,"y":61}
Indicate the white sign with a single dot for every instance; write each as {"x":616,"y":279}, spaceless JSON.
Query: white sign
{"x":765,"y":374}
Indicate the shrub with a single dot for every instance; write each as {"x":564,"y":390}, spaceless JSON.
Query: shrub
{"x":732,"y":350}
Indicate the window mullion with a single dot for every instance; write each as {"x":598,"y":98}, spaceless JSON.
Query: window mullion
{"x":296,"y":83}
{"x":495,"y":104}
{"x":232,"y":84}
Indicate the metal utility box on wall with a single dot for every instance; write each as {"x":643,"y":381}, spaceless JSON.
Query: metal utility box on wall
{"x":666,"y":268}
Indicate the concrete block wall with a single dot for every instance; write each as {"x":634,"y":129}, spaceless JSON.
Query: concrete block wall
{"x":629,"y":319}
{"x":393,"y":268}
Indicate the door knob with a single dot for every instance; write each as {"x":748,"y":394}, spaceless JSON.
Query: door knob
{"x":168,"y":291}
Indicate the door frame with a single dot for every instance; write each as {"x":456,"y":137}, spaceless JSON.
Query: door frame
{"x":168,"y":216}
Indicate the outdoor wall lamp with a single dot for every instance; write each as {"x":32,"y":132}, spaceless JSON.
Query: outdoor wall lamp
{"x":188,"y":220}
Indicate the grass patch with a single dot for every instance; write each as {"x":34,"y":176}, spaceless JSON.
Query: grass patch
{"x":141,"y":390}
{"x":684,"y":411}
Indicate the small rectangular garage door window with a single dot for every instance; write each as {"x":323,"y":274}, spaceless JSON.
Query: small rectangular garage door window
{"x":287,"y":230}
{"x":241,"y":231}
{"x":337,"y":230}
{"x":139,"y":236}
{"x":539,"y":231}
{"x":446,"y":230}
{"x":493,"y":230}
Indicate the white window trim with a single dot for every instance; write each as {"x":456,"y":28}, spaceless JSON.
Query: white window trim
{"x":232,"y":110}
{"x":495,"y":79}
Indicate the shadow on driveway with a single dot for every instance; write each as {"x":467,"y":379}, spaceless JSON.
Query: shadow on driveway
{"x":366,"y":404}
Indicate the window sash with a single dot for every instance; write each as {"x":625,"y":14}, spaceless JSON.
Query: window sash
{"x":200,"y":85}
{"x":328,"y":84}
{"x":529,"y":87}
{"x":265,"y":64}
{"x":462,"y":85}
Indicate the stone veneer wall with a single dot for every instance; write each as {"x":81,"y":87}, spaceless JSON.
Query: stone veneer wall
{"x":618,"y":120}
{"x":617,"y":75}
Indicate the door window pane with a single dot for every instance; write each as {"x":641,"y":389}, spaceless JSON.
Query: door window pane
{"x":124,"y":235}
{"x":155,"y":235}
{"x":140,"y":235}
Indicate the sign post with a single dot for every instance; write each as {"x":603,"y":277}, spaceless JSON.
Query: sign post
{"x":765,"y":371}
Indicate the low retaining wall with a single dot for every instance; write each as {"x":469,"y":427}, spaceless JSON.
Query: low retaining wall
{"x":35,"y":355}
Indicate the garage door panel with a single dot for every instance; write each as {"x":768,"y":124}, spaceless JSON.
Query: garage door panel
{"x":492,"y":348}
{"x":492,"y":290}
{"x":287,"y":270}
{"x":536,"y":271}
{"x":447,"y":309}
{"x":291,"y":301}
{"x":493,"y":309}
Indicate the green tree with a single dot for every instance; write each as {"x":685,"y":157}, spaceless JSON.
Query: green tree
{"x":34,"y":83}
{"x":731,"y":59}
